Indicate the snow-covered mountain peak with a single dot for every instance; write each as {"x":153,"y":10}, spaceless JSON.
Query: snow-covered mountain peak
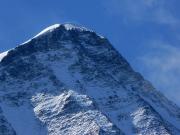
{"x":67,"y":26}
{"x":48,"y":29}
{"x":70,"y":81}
{"x":51,"y":37}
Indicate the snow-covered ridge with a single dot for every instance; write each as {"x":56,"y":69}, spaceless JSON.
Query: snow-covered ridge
{"x":2,"y":55}
{"x":70,"y":26}
{"x":48,"y":29}
{"x":67,"y":26}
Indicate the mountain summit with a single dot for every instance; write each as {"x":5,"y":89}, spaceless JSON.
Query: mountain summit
{"x":68,"y":80}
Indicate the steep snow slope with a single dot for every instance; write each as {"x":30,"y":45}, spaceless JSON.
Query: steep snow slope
{"x":69,"y":80}
{"x":2,"y":55}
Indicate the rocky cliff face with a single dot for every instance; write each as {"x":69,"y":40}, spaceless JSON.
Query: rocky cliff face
{"x":69,"y":80}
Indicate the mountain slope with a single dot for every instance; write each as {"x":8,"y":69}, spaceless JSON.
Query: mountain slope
{"x":69,"y":80}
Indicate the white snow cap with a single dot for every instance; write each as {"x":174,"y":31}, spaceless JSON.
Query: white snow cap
{"x":68,"y":26}
{"x":48,"y":29}
{"x":2,"y":55}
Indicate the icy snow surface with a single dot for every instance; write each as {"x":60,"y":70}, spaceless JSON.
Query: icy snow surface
{"x":2,"y":55}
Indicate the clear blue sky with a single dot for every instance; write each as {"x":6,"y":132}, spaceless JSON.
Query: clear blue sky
{"x":145,"y":32}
